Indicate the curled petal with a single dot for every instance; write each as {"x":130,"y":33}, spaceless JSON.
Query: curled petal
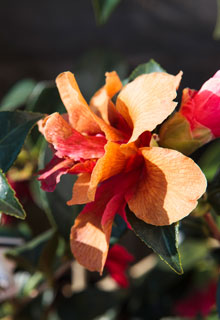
{"x":89,"y":240}
{"x":147,"y":101}
{"x":54,"y":126}
{"x":80,"y":116}
{"x":169,"y":188}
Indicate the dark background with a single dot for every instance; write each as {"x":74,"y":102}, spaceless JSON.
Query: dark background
{"x":40,"y":39}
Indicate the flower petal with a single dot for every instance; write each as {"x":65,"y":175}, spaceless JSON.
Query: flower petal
{"x":80,"y":190}
{"x":170,"y":186}
{"x":89,"y":240}
{"x":54,"y":126}
{"x":147,"y":101}
{"x":101,"y":101}
{"x":80,"y":116}
{"x":92,"y":229}
{"x":78,"y":146}
{"x":112,"y":163}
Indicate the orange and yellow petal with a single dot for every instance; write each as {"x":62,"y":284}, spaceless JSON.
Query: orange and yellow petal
{"x":147,"y":101}
{"x":112,"y":163}
{"x":80,"y":190}
{"x":80,"y":116}
{"x":169,"y":187}
{"x":89,"y":240}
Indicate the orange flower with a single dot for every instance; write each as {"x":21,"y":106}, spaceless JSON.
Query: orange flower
{"x":109,"y":147}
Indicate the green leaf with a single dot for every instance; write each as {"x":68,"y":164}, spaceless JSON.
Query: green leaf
{"x":163,"y":240}
{"x":17,"y":95}
{"x":103,"y":9}
{"x":214,"y":193}
{"x":45,"y":98}
{"x":9,"y":204}
{"x":210,"y":160}
{"x":15,"y":126}
{"x":30,"y":254}
{"x":149,"y":67}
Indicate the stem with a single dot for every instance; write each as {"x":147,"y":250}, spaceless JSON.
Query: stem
{"x":212,"y":226}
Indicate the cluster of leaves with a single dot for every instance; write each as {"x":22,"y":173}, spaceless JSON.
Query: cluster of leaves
{"x":42,"y":264}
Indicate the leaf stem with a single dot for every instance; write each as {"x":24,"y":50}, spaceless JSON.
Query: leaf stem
{"x":212,"y":226}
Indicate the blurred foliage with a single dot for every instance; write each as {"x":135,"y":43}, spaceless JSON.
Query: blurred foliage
{"x":103,"y":9}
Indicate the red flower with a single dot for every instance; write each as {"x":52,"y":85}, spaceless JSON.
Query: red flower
{"x":203,"y":107}
{"x":200,"y":302}
{"x":117,"y":262}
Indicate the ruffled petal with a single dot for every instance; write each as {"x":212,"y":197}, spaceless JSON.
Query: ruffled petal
{"x":78,"y":146}
{"x":147,"y":101}
{"x":169,"y":188}
{"x":54,"y":126}
{"x":81,"y":117}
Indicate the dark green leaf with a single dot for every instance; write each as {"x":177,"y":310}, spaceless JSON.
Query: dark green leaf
{"x":149,"y":67}
{"x":214,"y":193}
{"x":29,"y":255}
{"x":210,"y":160}
{"x":15,"y":126}
{"x":103,"y":9}
{"x":18,"y":95}
{"x":9,"y":204}
{"x":45,"y":98}
{"x":163,"y":240}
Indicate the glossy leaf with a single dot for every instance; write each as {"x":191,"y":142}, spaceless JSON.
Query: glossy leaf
{"x":15,"y":126}
{"x":30,"y":254}
{"x":103,"y":9}
{"x":17,"y":95}
{"x":163,"y":240}
{"x":9,"y":204}
{"x":149,"y":67}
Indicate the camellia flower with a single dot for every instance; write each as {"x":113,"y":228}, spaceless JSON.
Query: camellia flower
{"x":109,"y":146}
{"x":198,"y":120}
{"x":117,"y":262}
